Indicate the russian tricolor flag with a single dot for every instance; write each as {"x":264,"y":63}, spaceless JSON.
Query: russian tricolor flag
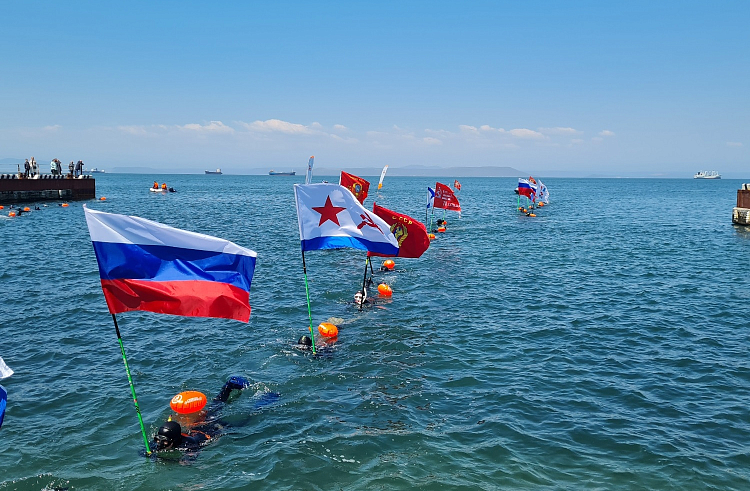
{"x":524,"y":188}
{"x":150,"y":266}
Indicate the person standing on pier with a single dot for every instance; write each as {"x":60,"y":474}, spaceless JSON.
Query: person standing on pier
{"x":34,"y":167}
{"x":59,"y":167}
{"x":70,"y":168}
{"x":26,"y":168}
{"x":53,"y":167}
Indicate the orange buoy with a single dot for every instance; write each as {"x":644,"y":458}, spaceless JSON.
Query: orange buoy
{"x":388,"y":263}
{"x":441,"y":229}
{"x":27,"y":208}
{"x":12,"y":214}
{"x":541,"y":204}
{"x":430,"y":236}
{"x":102,"y":199}
{"x":328,"y":330}
{"x":65,"y":205}
{"x":188,"y":402}
{"x":1,"y":207}
{"x":532,"y":215}
{"x":385,"y":290}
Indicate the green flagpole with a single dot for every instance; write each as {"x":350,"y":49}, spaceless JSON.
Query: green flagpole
{"x":309,"y":312}
{"x":132,"y":387}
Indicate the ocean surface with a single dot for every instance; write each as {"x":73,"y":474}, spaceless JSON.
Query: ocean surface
{"x":604,"y":344}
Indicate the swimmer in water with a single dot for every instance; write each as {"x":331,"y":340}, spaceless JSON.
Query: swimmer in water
{"x":170,"y":435}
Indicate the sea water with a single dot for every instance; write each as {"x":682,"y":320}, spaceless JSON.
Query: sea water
{"x":602,"y":344}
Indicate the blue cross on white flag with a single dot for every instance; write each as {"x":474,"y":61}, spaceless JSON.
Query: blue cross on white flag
{"x":430,"y":197}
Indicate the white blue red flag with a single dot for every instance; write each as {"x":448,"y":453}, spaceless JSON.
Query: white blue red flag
{"x":330,"y":217}
{"x":150,"y":266}
{"x":525,"y":189}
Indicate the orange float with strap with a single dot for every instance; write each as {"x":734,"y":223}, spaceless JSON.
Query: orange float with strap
{"x":188,"y":402}
{"x":328,"y":330}
{"x":389,"y":264}
{"x":65,"y":205}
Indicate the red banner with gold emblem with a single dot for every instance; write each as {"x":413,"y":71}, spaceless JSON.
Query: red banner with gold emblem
{"x":356,"y":185}
{"x":410,"y":233}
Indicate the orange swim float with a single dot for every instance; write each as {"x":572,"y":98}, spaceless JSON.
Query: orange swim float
{"x":188,"y":402}
{"x":385,"y":290}
{"x":328,"y":330}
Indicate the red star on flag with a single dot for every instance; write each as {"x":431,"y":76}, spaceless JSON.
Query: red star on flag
{"x":329,"y":212}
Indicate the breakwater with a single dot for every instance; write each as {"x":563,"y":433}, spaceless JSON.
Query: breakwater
{"x":45,"y":188}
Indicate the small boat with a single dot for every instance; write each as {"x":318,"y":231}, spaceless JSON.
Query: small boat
{"x":274,"y":173}
{"x":707,"y":174}
{"x":157,"y":190}
{"x":217,"y":171}
{"x":96,"y":171}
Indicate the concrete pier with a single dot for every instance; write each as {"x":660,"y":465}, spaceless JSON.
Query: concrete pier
{"x":741,"y":212}
{"x":45,"y":188}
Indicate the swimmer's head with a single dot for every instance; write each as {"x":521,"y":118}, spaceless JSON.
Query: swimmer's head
{"x":168,"y":436}
{"x":305,"y":341}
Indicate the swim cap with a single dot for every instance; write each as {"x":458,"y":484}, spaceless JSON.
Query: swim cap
{"x":305,"y":341}
{"x":168,"y":436}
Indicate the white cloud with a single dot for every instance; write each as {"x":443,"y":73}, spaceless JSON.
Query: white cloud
{"x":133,"y":130}
{"x":431,"y":141}
{"x":464,"y":128}
{"x":279,"y":126}
{"x":734,"y":144}
{"x":558,"y":130}
{"x":527,"y":134}
{"x":212,"y":127}
{"x":606,"y":133}
{"x":488,"y":128}
{"x":340,"y":127}
{"x":53,"y":127}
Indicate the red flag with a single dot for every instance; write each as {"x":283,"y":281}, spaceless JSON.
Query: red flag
{"x":356,"y":185}
{"x":410,"y":233}
{"x":457,"y":184}
{"x":444,"y":198}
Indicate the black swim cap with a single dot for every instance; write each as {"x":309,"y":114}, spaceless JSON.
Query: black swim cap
{"x":168,"y":436}
{"x":305,"y":341}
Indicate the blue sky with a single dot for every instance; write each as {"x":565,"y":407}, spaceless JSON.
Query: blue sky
{"x":576,"y":88}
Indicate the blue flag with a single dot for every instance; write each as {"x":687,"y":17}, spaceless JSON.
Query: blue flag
{"x":3,"y":403}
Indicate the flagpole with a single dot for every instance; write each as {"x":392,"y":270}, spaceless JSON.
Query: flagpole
{"x":364,"y":282}
{"x":307,"y":292}
{"x":132,"y":387}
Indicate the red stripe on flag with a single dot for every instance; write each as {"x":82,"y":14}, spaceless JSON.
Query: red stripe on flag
{"x":187,"y":298}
